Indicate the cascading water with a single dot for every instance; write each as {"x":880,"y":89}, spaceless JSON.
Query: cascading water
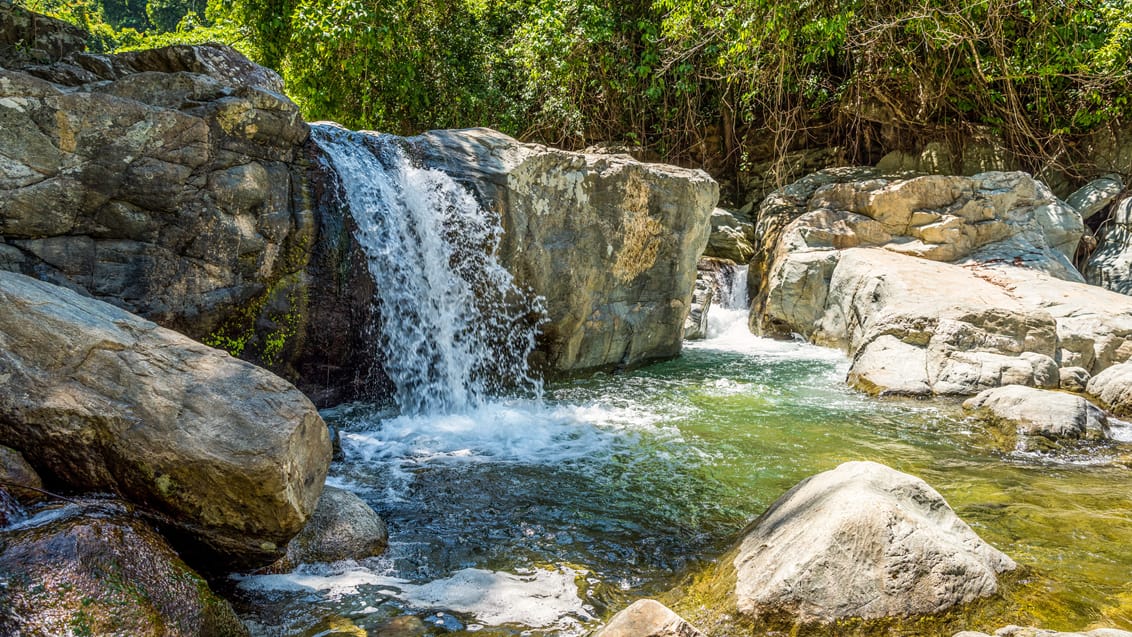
{"x":454,"y":329}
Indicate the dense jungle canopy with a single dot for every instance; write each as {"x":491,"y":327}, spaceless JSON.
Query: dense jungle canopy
{"x":701,"y":83}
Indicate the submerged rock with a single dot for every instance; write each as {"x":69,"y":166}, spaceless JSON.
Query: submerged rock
{"x":866,"y":541}
{"x":647,"y":618}
{"x":609,"y":242}
{"x":1041,"y":418}
{"x":95,"y":570}
{"x":342,"y":527}
{"x":98,"y":399}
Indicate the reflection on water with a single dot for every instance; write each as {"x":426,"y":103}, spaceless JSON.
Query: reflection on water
{"x":619,"y":485}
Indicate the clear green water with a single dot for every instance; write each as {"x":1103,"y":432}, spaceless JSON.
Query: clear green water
{"x":624,"y":486}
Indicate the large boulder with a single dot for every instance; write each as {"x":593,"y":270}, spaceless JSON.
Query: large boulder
{"x":1040,"y":418}
{"x":229,"y":455}
{"x":179,"y":184}
{"x":866,"y":541}
{"x":647,"y":618}
{"x":1004,"y":304}
{"x":94,"y":569}
{"x":610,"y":243}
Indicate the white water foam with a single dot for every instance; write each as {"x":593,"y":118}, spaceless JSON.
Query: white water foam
{"x":455,"y":329}
{"x":516,"y":431}
{"x":537,"y":598}
{"x":727,"y":331}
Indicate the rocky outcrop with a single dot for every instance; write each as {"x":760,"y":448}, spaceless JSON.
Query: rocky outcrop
{"x":178,"y":183}
{"x":227,"y":454}
{"x":941,"y":285}
{"x":862,"y":541}
{"x":647,"y":618}
{"x":1112,"y":388}
{"x":30,"y":38}
{"x":1040,"y":419}
{"x":93,"y":569}
{"x":342,"y":527}
{"x":609,"y":242}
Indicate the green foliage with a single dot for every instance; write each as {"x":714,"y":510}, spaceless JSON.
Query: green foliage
{"x":166,"y":15}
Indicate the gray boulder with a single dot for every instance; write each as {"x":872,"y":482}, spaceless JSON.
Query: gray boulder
{"x":1040,"y":418}
{"x":862,"y":540}
{"x":1096,"y":195}
{"x":94,"y":569}
{"x":342,"y":527}
{"x":1112,"y":388}
{"x":610,"y":243}
{"x":1110,"y":265}
{"x":228,"y":454}
{"x":647,"y":618}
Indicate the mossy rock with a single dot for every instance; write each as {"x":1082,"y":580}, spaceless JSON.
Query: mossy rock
{"x":94,"y":569}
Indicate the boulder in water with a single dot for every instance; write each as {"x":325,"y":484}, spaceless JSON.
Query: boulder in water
{"x":1039,"y":417}
{"x":1112,"y":388}
{"x":647,"y":618}
{"x":231,"y":456}
{"x":94,"y":569}
{"x":342,"y":527}
{"x":610,"y":243}
{"x":866,"y":541}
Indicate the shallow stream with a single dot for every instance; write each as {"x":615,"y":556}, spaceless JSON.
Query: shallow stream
{"x":544,"y":518}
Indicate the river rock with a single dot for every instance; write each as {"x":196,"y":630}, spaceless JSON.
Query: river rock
{"x":1110,"y":265}
{"x":1096,"y":195}
{"x":18,"y":477}
{"x":1004,"y":306}
{"x":1036,"y":413}
{"x":230,"y":455}
{"x":730,"y":238}
{"x":610,"y":243}
{"x":96,"y":570}
{"x":647,"y":618}
{"x":862,"y":540}
{"x":1112,"y":388}
{"x":342,"y":527}
{"x":703,"y":295}
{"x":1074,"y":379}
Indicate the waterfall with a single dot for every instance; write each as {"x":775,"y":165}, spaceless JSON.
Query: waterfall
{"x":454,"y":327}
{"x":733,"y":287}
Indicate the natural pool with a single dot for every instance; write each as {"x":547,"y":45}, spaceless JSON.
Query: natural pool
{"x":543,"y":519}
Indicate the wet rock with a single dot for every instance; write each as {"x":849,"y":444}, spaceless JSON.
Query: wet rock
{"x":402,"y":626}
{"x":98,"y":399}
{"x":609,"y":242}
{"x":1040,"y":418}
{"x":18,"y":477}
{"x":1112,"y":388}
{"x":862,"y":540}
{"x":96,"y":570}
{"x":647,"y":618}
{"x":342,"y":527}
